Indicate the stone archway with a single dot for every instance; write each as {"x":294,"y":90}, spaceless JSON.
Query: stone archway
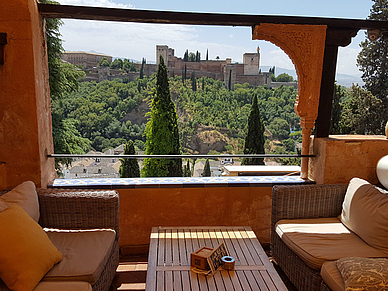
{"x":305,"y":45}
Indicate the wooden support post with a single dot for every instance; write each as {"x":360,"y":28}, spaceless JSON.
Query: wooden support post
{"x":3,"y":42}
{"x":334,"y":39}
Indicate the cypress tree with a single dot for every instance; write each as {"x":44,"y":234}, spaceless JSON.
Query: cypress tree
{"x":207,"y":54}
{"x":186,"y":170}
{"x":254,"y":140}
{"x":129,"y":167}
{"x":206,"y":169}
{"x":162,"y":131}
{"x":185,"y":72}
{"x":142,"y":68}
{"x":193,"y":82}
{"x":230,"y":80}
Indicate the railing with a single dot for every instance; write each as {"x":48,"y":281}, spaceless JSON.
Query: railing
{"x":179,"y":156}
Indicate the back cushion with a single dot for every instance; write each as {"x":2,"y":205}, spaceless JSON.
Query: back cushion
{"x":365,"y":212}
{"x":25,"y":196}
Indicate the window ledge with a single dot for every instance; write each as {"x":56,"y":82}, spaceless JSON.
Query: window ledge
{"x":179,"y":182}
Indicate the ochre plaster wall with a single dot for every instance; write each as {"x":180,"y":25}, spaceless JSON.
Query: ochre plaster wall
{"x":339,"y":158}
{"x":142,"y":209}
{"x":25,"y":118}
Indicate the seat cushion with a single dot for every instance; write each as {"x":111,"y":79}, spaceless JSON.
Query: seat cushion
{"x":323,"y":239}
{"x":25,"y":196}
{"x":365,"y":212}
{"x":85,"y":253}
{"x":332,"y":276}
{"x":63,"y":286}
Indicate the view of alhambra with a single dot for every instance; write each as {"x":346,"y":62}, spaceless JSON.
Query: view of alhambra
{"x":151,"y":89}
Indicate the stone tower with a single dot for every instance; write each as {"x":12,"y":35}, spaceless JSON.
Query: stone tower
{"x":162,"y":50}
{"x":251,"y":63}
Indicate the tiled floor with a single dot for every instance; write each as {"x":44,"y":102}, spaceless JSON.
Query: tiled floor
{"x":132,"y":272}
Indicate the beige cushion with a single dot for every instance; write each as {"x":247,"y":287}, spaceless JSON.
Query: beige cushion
{"x":25,"y":196}
{"x":364,"y":273}
{"x":63,"y":286}
{"x":85,"y":254}
{"x":323,"y":239}
{"x":332,"y":276}
{"x":365,"y":212}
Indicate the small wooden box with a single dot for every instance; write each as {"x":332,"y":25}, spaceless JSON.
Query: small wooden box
{"x":199,"y":258}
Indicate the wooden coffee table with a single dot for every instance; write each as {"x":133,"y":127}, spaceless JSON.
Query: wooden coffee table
{"x":169,"y":260}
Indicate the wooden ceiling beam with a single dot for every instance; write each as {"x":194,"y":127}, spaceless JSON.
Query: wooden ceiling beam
{"x":195,"y":18}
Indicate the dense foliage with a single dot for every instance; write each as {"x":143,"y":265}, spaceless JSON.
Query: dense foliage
{"x":111,"y":112}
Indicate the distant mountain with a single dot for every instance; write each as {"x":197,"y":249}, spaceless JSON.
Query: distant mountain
{"x":342,"y":79}
{"x":131,"y":60}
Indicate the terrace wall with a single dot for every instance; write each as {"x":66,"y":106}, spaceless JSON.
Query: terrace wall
{"x":25,"y":116}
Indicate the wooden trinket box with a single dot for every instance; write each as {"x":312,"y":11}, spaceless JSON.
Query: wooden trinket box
{"x":199,"y":258}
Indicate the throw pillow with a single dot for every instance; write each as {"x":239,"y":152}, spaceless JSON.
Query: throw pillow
{"x":27,"y":253}
{"x":25,"y":196}
{"x":367,"y":274}
{"x":365,"y":212}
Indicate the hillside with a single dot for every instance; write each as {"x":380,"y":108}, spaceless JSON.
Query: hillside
{"x":211,"y":118}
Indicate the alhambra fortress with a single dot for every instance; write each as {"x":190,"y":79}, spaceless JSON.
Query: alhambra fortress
{"x":247,"y":72}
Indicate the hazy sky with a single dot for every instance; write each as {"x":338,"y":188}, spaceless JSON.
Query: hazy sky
{"x":135,"y":40}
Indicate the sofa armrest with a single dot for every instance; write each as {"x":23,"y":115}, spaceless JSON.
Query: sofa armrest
{"x":79,"y":209}
{"x":308,"y":201}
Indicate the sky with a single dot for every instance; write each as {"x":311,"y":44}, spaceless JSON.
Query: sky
{"x":136,"y":40}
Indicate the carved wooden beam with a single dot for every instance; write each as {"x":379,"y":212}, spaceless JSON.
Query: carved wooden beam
{"x":3,"y":42}
{"x":304,"y":44}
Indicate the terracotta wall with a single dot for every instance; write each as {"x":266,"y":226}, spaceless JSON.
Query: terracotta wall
{"x":339,"y":158}
{"x":25,"y":119}
{"x":142,"y":209}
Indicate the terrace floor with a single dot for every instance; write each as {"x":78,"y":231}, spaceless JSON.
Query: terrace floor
{"x":132,"y":272}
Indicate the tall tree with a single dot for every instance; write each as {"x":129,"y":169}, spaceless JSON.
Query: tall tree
{"x":254,"y":140}
{"x":186,"y":56}
{"x":206,"y":169}
{"x":193,"y":82}
{"x":63,"y":78}
{"x":361,"y":112}
{"x":162,"y":131}
{"x":336,"y":111}
{"x":373,"y":63}
{"x":129,"y":168}
{"x":143,"y":62}
{"x":198,"y":57}
{"x":186,"y":170}
{"x":207,"y":54}
{"x":230,"y":80}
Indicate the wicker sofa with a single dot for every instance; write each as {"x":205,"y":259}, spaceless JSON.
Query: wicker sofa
{"x":86,"y":212}
{"x":297,"y":205}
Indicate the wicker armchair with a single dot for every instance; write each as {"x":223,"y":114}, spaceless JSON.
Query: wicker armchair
{"x":309,"y":201}
{"x":83,"y":209}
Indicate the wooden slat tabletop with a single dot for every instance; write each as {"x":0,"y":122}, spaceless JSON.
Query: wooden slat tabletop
{"x":169,"y":260}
